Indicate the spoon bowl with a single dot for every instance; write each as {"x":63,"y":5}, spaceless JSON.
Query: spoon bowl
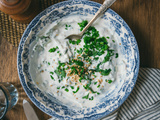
{"x":74,"y":37}
{"x":106,"y":4}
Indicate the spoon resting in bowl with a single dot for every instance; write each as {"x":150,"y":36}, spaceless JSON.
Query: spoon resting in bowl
{"x":106,"y":4}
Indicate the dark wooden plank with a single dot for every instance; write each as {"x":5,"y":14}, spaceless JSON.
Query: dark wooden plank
{"x":143,"y":18}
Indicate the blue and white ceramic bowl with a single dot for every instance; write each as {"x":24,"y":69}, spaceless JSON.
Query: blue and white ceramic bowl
{"x":48,"y":103}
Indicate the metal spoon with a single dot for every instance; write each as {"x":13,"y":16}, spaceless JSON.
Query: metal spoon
{"x":103,"y":8}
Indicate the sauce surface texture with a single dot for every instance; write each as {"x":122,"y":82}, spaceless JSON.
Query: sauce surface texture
{"x":77,"y":72}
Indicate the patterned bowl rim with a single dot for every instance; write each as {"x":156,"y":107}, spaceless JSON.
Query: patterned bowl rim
{"x":20,"y":51}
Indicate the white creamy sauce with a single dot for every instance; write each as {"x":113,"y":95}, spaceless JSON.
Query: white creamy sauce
{"x":43,"y":63}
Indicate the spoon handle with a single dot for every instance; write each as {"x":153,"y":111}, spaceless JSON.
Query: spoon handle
{"x":106,"y":4}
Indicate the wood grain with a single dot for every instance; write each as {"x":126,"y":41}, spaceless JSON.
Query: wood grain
{"x":143,"y":18}
{"x":141,"y":15}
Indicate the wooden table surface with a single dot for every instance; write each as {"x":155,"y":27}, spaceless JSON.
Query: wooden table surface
{"x":141,"y":15}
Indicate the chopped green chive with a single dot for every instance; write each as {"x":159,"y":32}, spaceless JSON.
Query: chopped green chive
{"x":52,"y":73}
{"x":52,"y":77}
{"x":80,"y":79}
{"x":105,"y":72}
{"x":79,"y":58}
{"x":67,"y":68}
{"x":95,"y":83}
{"x":109,"y":81}
{"x":63,"y":65}
{"x":53,"y":49}
{"x":78,"y":41}
{"x":85,"y":97}
{"x":76,"y":90}
{"x":74,"y":42}
{"x":67,"y":27}
{"x":66,"y":90}
{"x":98,"y":86}
{"x":83,"y":24}
{"x":96,"y":58}
{"x":72,"y":87}
{"x":78,"y":62}
{"x":116,"y":55}
{"x":91,"y":98}
{"x":98,"y":93}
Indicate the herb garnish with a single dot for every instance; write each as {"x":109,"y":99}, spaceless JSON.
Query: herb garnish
{"x":85,"y":97}
{"x":66,"y":90}
{"x":72,"y":87}
{"x":75,"y":42}
{"x":98,"y":86}
{"x":76,"y":90}
{"x":52,"y":77}
{"x":67,"y":27}
{"x":53,"y":49}
{"x":52,"y":73}
{"x":109,"y":81}
{"x":91,"y":98}
{"x":116,"y":55}
{"x":78,"y":65}
{"x":95,"y":83}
